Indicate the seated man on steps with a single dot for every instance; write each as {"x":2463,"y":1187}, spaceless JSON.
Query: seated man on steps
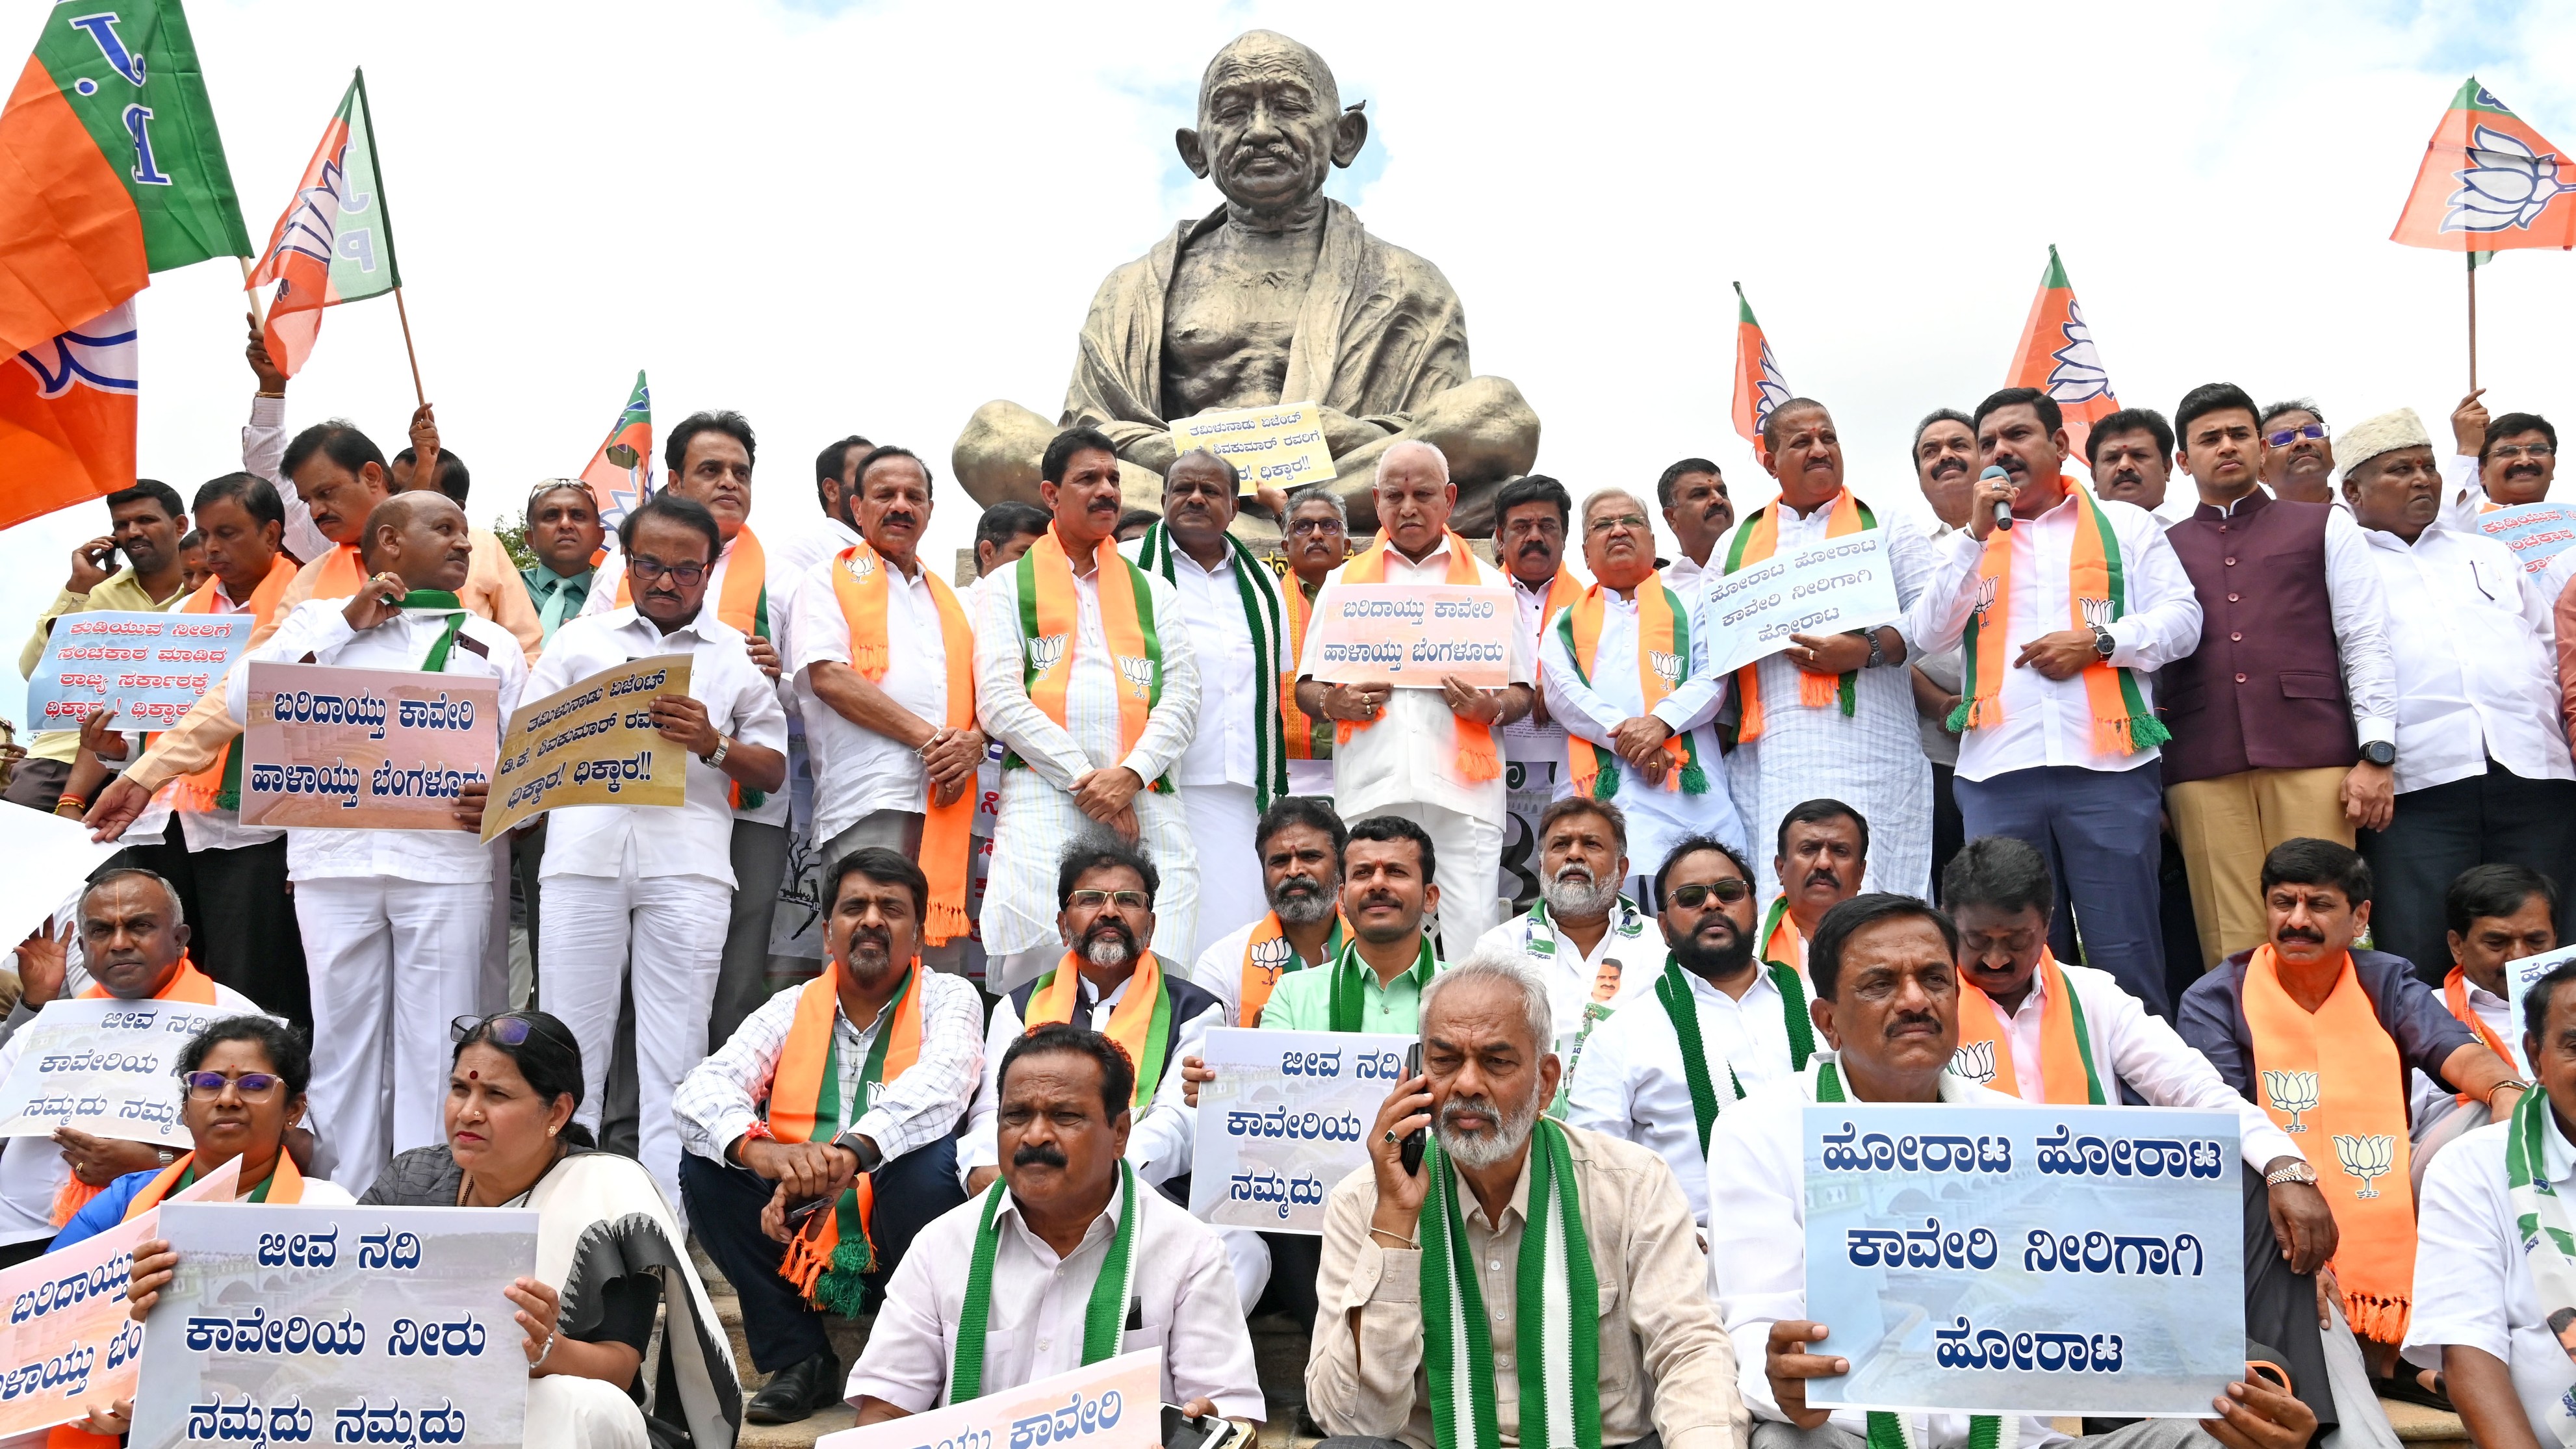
{"x":1887,"y":1004}
{"x":848,"y":1087}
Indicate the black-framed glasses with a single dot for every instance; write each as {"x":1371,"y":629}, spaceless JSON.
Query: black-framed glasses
{"x":2313,"y":432}
{"x":1124,"y":900}
{"x":509,"y":1028}
{"x":251,"y":1086}
{"x":1692,"y":897}
{"x":644,"y":571}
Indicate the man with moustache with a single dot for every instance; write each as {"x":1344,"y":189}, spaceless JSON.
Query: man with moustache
{"x":2498,"y":914}
{"x":2131,"y":455}
{"x":1318,"y":540}
{"x":1693,"y":497}
{"x":1945,"y":467}
{"x":1390,"y":891}
{"x":1583,"y":932}
{"x":1299,"y":842}
{"x":1887,"y":1004}
{"x":865,"y":1070}
{"x":1086,"y":672}
{"x":1585,"y":1243}
{"x":1532,"y":517}
{"x":1832,"y":714}
{"x":144,"y":523}
{"x":2298,"y":453}
{"x":2284,"y":718}
{"x":2482,"y":771}
{"x":393,"y":921}
{"x":2063,"y":620}
{"x":1823,"y":856}
{"x":836,"y":496}
{"x":1236,"y":761}
{"x":565,"y":534}
{"x":2496,"y":463}
{"x":1722,"y":1023}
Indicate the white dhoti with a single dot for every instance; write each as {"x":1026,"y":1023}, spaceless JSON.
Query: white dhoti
{"x":393,"y":963}
{"x":1222,"y":819}
{"x":1871,"y":760}
{"x":1037,"y":822}
{"x":582,"y":1414}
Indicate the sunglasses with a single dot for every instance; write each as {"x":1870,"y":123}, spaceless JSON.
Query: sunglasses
{"x":508,"y":1028}
{"x":1692,"y":897}
{"x":251,"y":1086}
{"x":2313,"y":432}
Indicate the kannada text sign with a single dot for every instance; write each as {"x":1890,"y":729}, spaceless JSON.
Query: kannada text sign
{"x":592,"y":744}
{"x":148,"y":667}
{"x":364,"y":749}
{"x":1831,"y":587}
{"x":1272,"y":447}
{"x":1284,"y":1120}
{"x":104,"y":1066}
{"x":1414,"y":635}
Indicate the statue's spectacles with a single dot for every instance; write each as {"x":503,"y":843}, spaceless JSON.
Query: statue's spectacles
{"x":2313,"y":432}
{"x":1633,"y":522}
{"x":1692,"y":897}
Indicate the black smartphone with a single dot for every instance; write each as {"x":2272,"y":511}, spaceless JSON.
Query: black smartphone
{"x":1418,"y":1139}
{"x":796,"y":1216}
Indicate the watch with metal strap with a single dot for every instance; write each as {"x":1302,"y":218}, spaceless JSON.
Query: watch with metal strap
{"x":2103,"y":643}
{"x":2299,"y":1172}
{"x":2380,"y":752}
{"x":715,"y":758}
{"x":1877,"y":656}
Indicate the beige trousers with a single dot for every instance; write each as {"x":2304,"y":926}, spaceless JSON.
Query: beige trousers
{"x":2228,"y":824}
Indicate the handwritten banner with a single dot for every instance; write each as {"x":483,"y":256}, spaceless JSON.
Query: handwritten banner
{"x":148,"y":667}
{"x":337,"y":1325}
{"x":1116,"y":1403}
{"x":364,"y":749}
{"x":104,"y":1066}
{"x":1273,"y":447}
{"x":2536,"y":532}
{"x":591,"y":744}
{"x":2026,"y":1260}
{"x":1832,"y":587}
{"x":69,"y":1341}
{"x":1285,"y":1119}
{"x":1414,"y":635}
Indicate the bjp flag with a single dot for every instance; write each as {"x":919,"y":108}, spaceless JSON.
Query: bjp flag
{"x":67,"y":417}
{"x":1758,"y":385}
{"x":2057,"y":357}
{"x":334,"y":242}
{"x":620,"y":474}
{"x":2488,"y":183}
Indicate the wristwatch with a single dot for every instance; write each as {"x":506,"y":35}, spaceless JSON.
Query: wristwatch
{"x":715,"y":758}
{"x":2380,"y":752}
{"x":2298,"y":1172}
{"x":1877,"y":656}
{"x":870,"y":1159}
{"x":2103,"y":643}
{"x":167,"y":1156}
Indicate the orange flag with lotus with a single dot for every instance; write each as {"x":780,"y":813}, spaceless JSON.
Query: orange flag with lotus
{"x":334,"y":242}
{"x":620,"y":474}
{"x":2489,"y":183}
{"x":2057,"y":356}
{"x":1759,"y":387}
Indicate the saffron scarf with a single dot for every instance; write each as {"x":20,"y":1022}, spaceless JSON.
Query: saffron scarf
{"x":1051,"y":623}
{"x":187,"y":984}
{"x":1476,"y":759}
{"x":2066,"y":1072}
{"x":2335,"y":1071}
{"x":219,"y":784}
{"x":337,"y":574}
{"x":835,"y":1249}
{"x":1673,"y":989}
{"x":1351,"y":977}
{"x":1556,"y":1310}
{"x":2097,"y":592}
{"x":1263,"y":616}
{"x":1267,"y":956}
{"x":743,"y":602}
{"x":1104,"y":1313}
{"x":1141,"y":1023}
{"x":1780,"y":937}
{"x":2455,"y":994}
{"x":1663,"y":662}
{"x":2540,"y":1217}
{"x":285,"y":1185}
{"x":1300,"y":741}
{"x":1755,"y":541}
{"x":860,"y":583}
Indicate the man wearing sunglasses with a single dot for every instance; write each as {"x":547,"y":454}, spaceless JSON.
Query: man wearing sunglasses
{"x":652,"y":888}
{"x":2298,"y":453}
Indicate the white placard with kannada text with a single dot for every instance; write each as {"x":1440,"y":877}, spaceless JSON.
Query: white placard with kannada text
{"x":2518,"y":976}
{"x":1116,"y":1403}
{"x":1831,"y":587}
{"x":1287,"y":1117}
{"x":104,"y":1066}
{"x":1274,"y":447}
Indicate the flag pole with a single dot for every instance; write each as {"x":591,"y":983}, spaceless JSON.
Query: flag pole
{"x":422,"y":398}
{"x":2473,"y":319}
{"x":258,"y":313}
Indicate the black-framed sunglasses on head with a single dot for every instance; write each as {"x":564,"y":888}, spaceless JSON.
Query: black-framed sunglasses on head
{"x":1692,"y":897}
{"x":509,"y":1028}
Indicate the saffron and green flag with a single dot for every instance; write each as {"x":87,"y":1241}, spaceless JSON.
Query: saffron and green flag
{"x":2057,"y":356}
{"x":335,"y":242}
{"x":1759,"y":387}
{"x":2489,"y":183}
{"x":620,"y":474}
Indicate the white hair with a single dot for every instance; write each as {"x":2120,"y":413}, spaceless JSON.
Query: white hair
{"x":1585,"y":512}
{"x":1341,"y":510}
{"x":1405,"y":448}
{"x":1499,"y":965}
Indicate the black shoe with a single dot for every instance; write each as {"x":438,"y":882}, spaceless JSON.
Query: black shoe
{"x":796,"y":1391}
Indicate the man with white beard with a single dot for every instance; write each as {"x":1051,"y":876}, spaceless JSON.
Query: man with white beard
{"x":1581,"y":935}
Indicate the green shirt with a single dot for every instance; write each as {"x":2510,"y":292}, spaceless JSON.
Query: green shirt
{"x":1303,"y":1001}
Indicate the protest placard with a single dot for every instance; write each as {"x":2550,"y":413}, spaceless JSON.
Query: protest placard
{"x":69,"y":1341}
{"x":104,"y":1066}
{"x":149,"y":668}
{"x":2536,"y":532}
{"x":1832,"y":587}
{"x":364,"y":749}
{"x":1414,"y":635}
{"x":337,"y":1325}
{"x":592,"y":744}
{"x":1116,"y":1403}
{"x":1285,"y":1119}
{"x":1272,"y":447}
{"x":2026,"y":1260}
{"x":2518,"y":976}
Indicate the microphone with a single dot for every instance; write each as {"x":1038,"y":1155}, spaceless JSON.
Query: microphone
{"x":2003,"y":506}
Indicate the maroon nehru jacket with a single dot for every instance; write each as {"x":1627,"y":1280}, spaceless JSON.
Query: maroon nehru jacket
{"x":2264,"y":691}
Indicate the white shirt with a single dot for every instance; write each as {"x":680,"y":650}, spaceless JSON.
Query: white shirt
{"x":722,"y":1096}
{"x":2476,"y":672}
{"x":794,"y":555}
{"x":1089,"y":738}
{"x":320,"y":628}
{"x":1219,"y":970}
{"x":1685,"y":576}
{"x":1572,"y":974}
{"x":858,"y":771}
{"x":2472,"y":1283}
{"x":1527,"y":738}
{"x":1158,"y":1138}
{"x":696,"y":836}
{"x":1222,"y":749}
{"x":2357,"y":603}
{"x":1185,"y":1301}
{"x":2132,"y":1045}
{"x":1660,"y":816}
{"x":2467,"y":502}
{"x":2426,"y":1102}
{"x":1631,"y":1082}
{"x":1410,"y":755}
{"x":2050,"y":721}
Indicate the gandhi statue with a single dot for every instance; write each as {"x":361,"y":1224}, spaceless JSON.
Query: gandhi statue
{"x":1278,"y":296}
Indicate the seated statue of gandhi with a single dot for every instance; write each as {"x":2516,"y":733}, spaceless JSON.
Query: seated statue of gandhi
{"x":1278,"y":296}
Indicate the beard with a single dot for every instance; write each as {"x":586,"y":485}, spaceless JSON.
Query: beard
{"x":1495,"y":1143}
{"x":1712,"y":963}
{"x":1579,"y":898}
{"x":1317,"y":903}
{"x":1109,"y":944}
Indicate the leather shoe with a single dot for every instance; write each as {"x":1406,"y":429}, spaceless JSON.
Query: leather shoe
{"x":796,"y":1391}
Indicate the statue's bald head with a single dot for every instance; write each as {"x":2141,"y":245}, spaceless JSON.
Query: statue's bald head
{"x":1256,"y":53}
{"x":1270,"y":124}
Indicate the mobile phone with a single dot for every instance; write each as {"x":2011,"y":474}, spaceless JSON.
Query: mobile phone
{"x":1418,"y":1139}
{"x":1198,"y":1431}
{"x":797,"y":1215}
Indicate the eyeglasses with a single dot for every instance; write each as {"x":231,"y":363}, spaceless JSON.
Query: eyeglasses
{"x":1304,"y":526}
{"x":2313,"y":432}
{"x":1692,"y":897}
{"x":1633,"y":522}
{"x":1124,"y":900}
{"x":645,"y":570}
{"x":250,"y":1086}
{"x":508,"y":1028}
{"x":2536,"y":452}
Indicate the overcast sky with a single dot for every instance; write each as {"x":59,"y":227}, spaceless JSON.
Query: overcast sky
{"x":872,"y":218}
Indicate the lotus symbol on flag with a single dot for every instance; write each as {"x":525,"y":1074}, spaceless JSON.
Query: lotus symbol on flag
{"x":2291,"y":1092}
{"x":2367,"y":1158}
{"x":1667,"y":666}
{"x":2079,"y":375}
{"x":1974,"y":1060}
{"x":1044,"y":651}
{"x":2504,"y":187}
{"x":99,"y":352}
{"x":1771,"y":391}
{"x":1272,"y":956}
{"x":1139,"y":674}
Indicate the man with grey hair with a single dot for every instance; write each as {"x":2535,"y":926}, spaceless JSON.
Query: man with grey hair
{"x":1318,"y":528}
{"x":1583,"y":935}
{"x":1496,"y":1182}
{"x":1427,"y":754}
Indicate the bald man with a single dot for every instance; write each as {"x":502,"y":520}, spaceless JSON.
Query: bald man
{"x":394,"y":921}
